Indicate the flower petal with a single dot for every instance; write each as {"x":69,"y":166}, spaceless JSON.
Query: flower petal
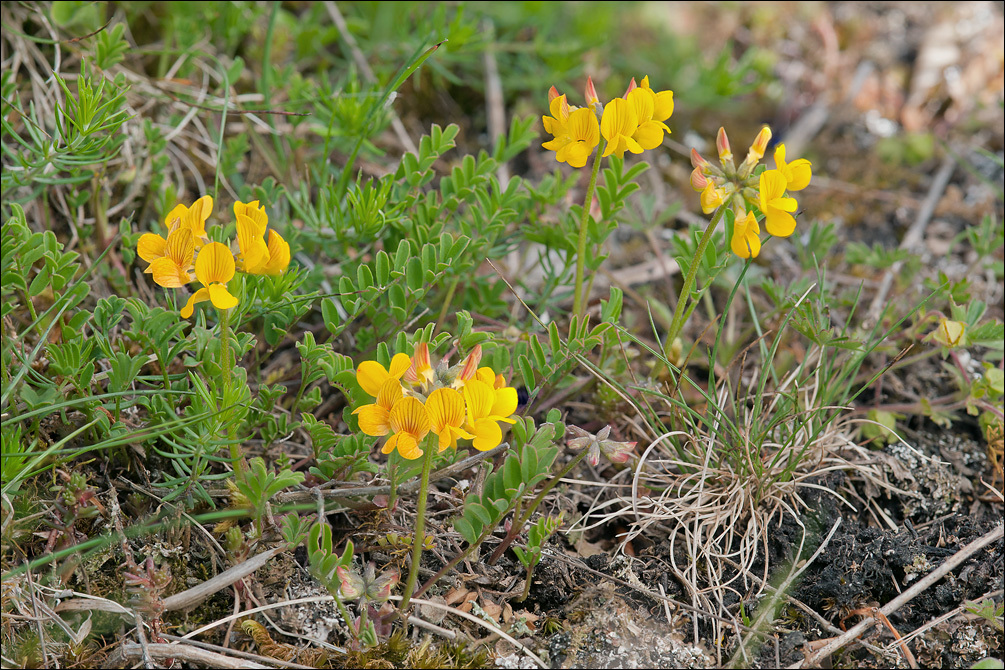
{"x":151,"y":247}
{"x":215,"y":264}
{"x":221,"y":297}
{"x":374,"y":420}
{"x":201,"y":295}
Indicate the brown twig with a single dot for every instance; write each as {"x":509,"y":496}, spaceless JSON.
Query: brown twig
{"x":131,"y":652}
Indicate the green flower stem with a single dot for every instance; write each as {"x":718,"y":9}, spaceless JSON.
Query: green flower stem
{"x":420,"y":525}
{"x":519,"y":524}
{"x":345,"y":614}
{"x":226,"y":371}
{"x":681,"y":309}
{"x":579,"y":299}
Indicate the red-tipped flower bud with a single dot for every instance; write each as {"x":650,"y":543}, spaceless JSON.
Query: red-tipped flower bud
{"x":592,"y":99}
{"x":698,"y":180}
{"x":722,"y":145}
{"x":697,"y":161}
{"x":552,"y":94}
{"x":631,"y":87}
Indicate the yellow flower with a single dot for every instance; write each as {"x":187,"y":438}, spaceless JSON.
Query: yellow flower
{"x":171,"y":268}
{"x":194,"y":218}
{"x":775,"y":206}
{"x":253,"y":211}
{"x":410,"y":423}
{"x":652,"y":109}
{"x":664,"y":102}
{"x":257,"y":257}
{"x":375,"y":419}
{"x":745,"y":242}
{"x":712,"y":196}
{"x":420,"y":371}
{"x":797,"y":173}
{"x":578,"y":137}
{"x":445,"y":408}
{"x":757,"y":149}
{"x":560,"y":110}
{"x":371,"y":375}
{"x":618,"y":125}
{"x":213,"y":268}
{"x":486,"y":406}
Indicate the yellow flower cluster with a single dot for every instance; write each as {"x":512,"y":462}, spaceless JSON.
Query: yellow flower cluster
{"x":412,"y":399}
{"x":187,"y":248}
{"x":725,"y":184}
{"x":634,"y":122}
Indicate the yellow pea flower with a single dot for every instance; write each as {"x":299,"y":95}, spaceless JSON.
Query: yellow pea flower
{"x":775,"y":206}
{"x":618,"y":125}
{"x":410,"y":423}
{"x":664,"y":102}
{"x":253,"y":211}
{"x":375,"y":419}
{"x":420,"y":372}
{"x":372,"y":376}
{"x":257,"y":257}
{"x":652,"y":109}
{"x":213,"y":268}
{"x":486,"y":406}
{"x":582,"y":138}
{"x":194,"y":218}
{"x":560,"y":111}
{"x":445,"y":408}
{"x":797,"y":173}
{"x":745,"y":242}
{"x":171,"y":268}
{"x":711,"y":197}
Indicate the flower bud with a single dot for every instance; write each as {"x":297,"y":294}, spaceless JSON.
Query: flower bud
{"x":698,"y":181}
{"x":697,"y":161}
{"x":631,"y":87}
{"x":759,"y":146}
{"x":722,"y":145}
{"x":592,"y":99}
{"x":552,"y":94}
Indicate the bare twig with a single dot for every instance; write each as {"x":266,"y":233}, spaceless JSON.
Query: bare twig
{"x":267,"y":660}
{"x":131,"y":652}
{"x":197,"y":594}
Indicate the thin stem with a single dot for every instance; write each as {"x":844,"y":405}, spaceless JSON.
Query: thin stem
{"x":519,"y":524}
{"x":579,"y":299}
{"x":420,"y":526}
{"x":446,"y":304}
{"x":680,"y":310}
{"x":226,"y":371}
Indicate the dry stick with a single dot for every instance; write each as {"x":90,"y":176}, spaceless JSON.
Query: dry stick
{"x":928,"y":580}
{"x":279,"y":663}
{"x":364,"y":67}
{"x":197,"y":594}
{"x":914,"y":235}
{"x":130,"y":651}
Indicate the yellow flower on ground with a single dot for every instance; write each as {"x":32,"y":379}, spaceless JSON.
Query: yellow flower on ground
{"x":618,"y":125}
{"x":486,"y":406}
{"x":745,"y":242}
{"x":171,"y":269}
{"x":950,"y":333}
{"x":257,"y":257}
{"x":371,"y":375}
{"x":797,"y":173}
{"x":213,"y":268}
{"x":410,"y":423}
{"x":775,"y":206}
{"x":445,"y":407}
{"x":375,"y":419}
